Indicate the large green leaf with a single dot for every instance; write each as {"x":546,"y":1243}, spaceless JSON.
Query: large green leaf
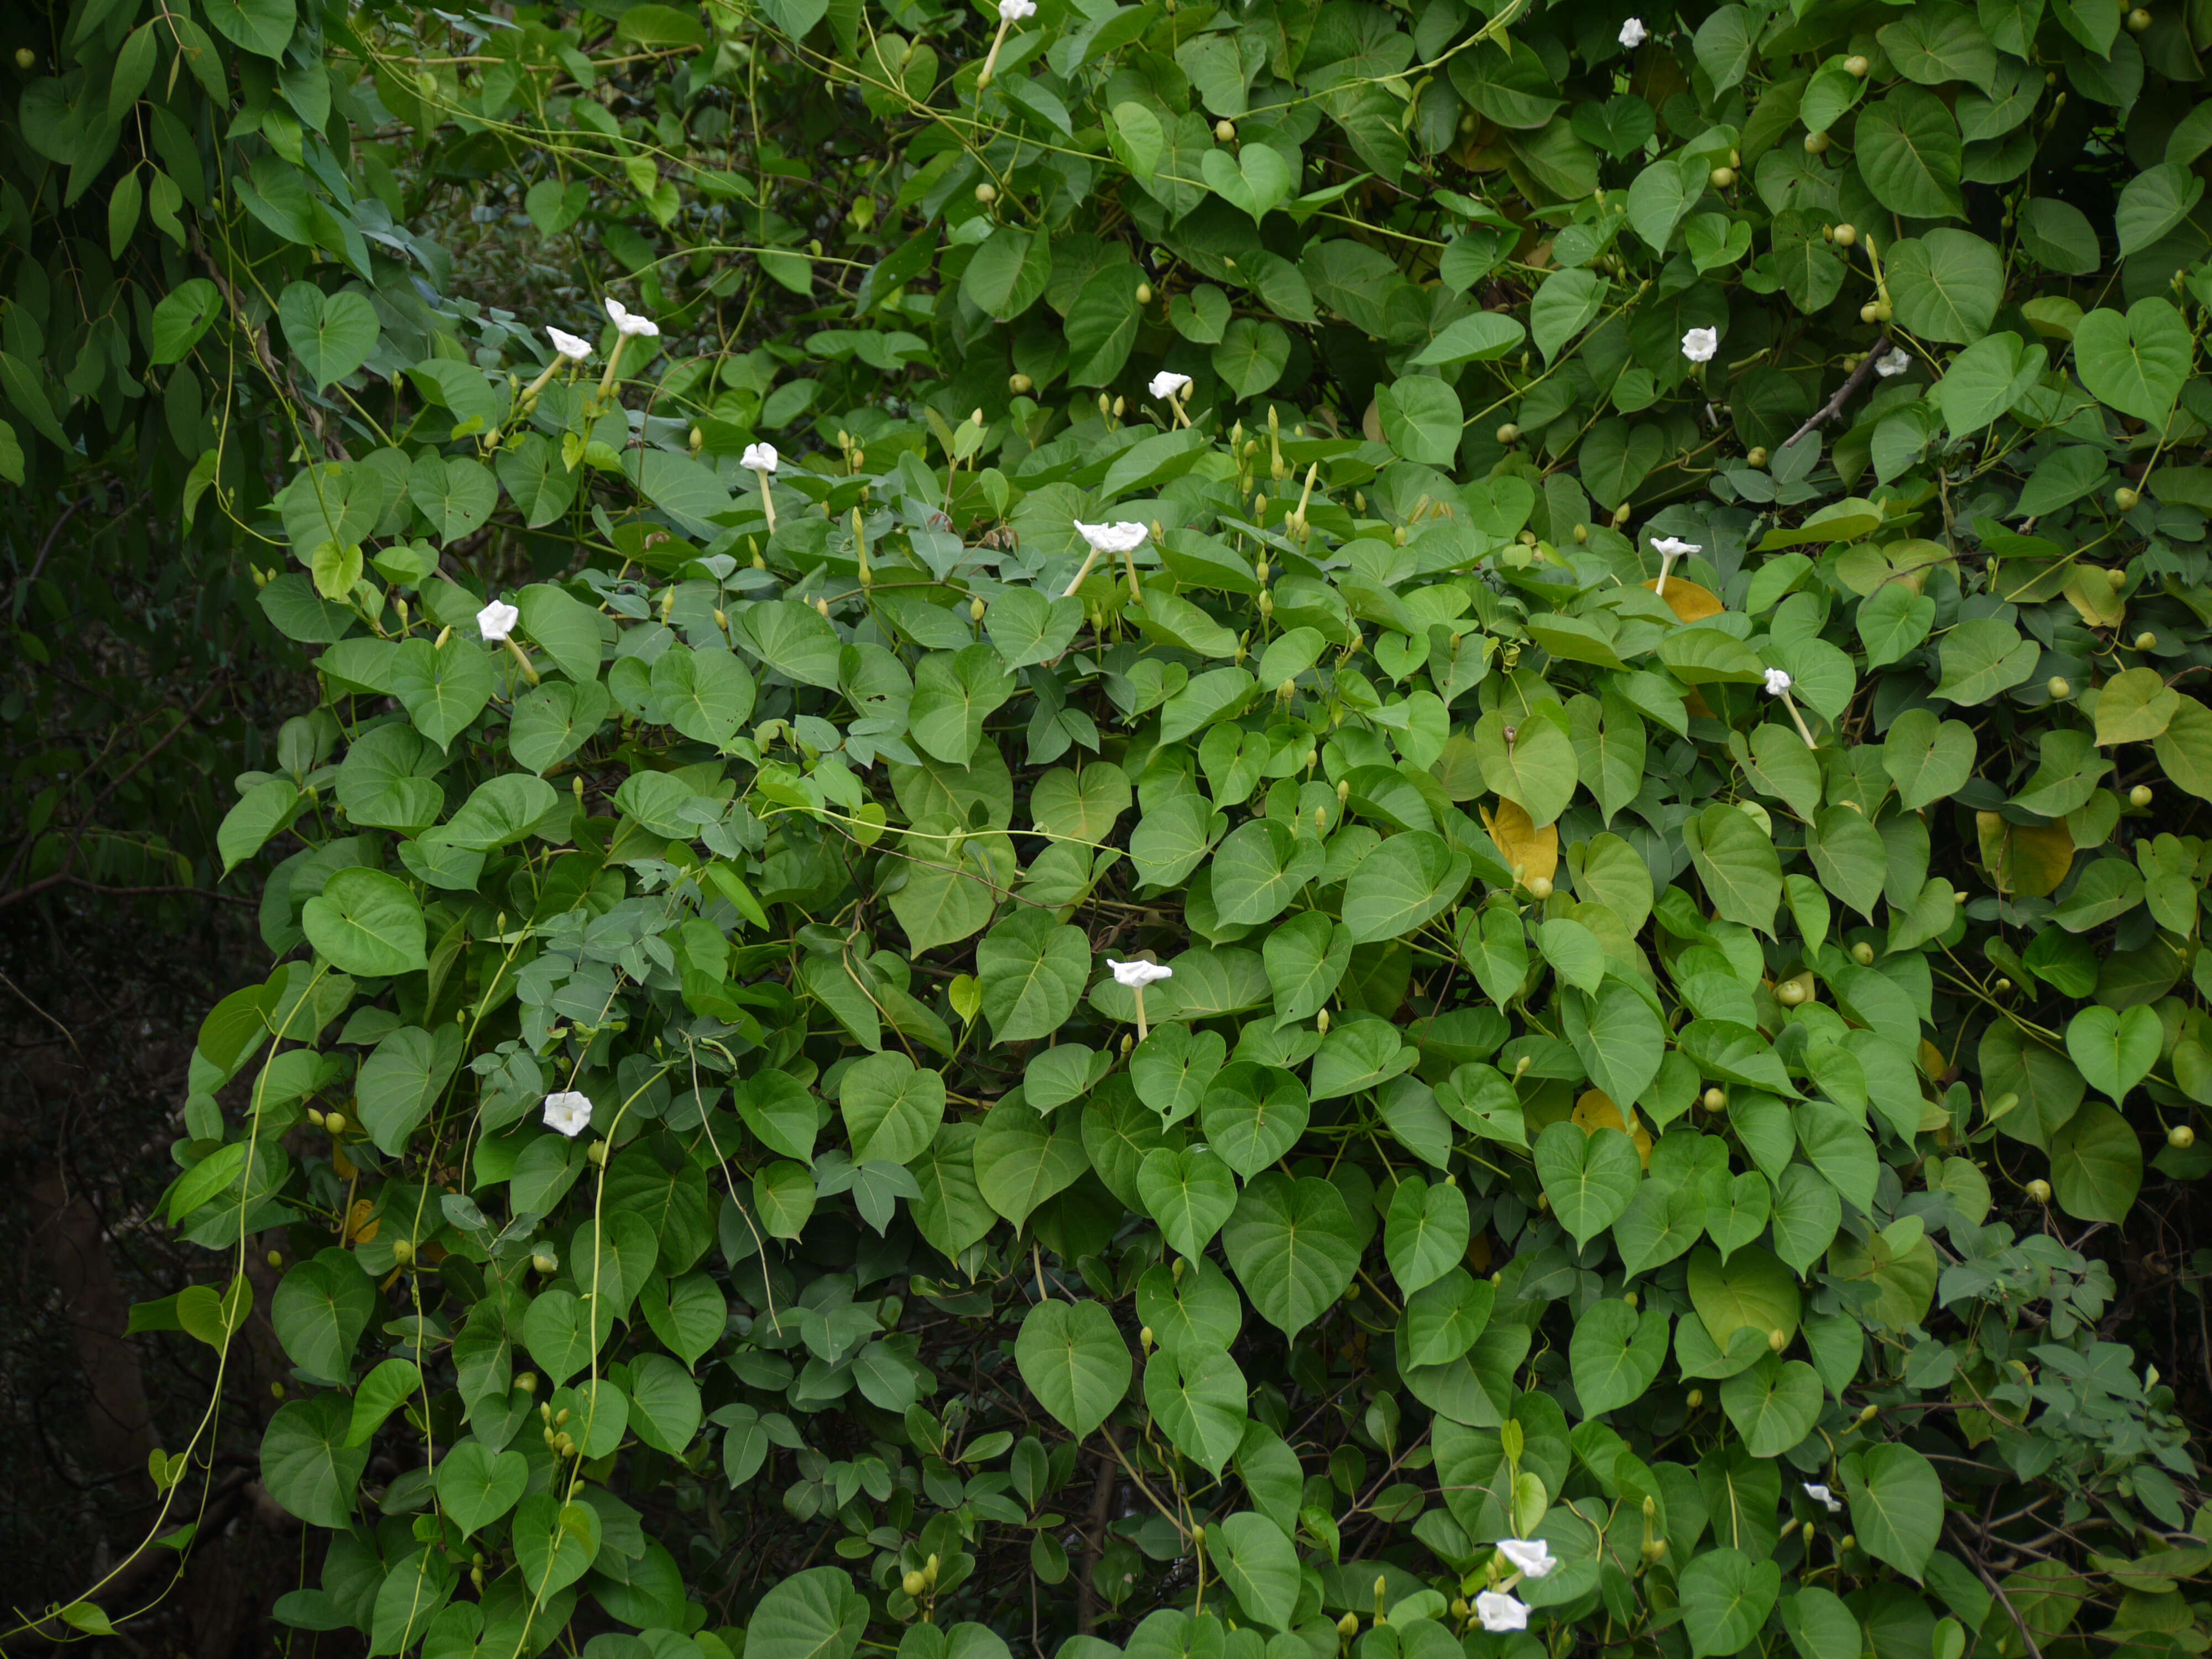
{"x":815,"y":1615}
{"x":1774,"y":1404}
{"x":1736,"y":861}
{"x":1909,"y":151}
{"x":1725,"y":1598}
{"x":1897,"y":1506}
{"x":1401,"y":883}
{"x":306,"y":1464}
{"x":1075,"y":1362}
{"x":368,"y":923}
{"x":1615,"y":1354}
{"x":1589,"y":1175}
{"x":1294,"y":1249}
{"x":1032,"y":967}
{"x":1260,"y":1566}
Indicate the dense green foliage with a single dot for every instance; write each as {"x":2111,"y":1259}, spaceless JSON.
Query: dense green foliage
{"x":1642,"y":694}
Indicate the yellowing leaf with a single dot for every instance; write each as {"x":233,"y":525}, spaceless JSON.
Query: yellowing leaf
{"x":1686,"y":599}
{"x":1531,"y":851}
{"x":2027,"y":862}
{"x":2090,"y":592}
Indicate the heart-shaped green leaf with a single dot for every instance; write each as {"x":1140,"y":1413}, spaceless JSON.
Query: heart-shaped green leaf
{"x":1075,"y":1362}
{"x":2114,"y":1049}
{"x":1257,"y":179}
{"x":1773,"y":1405}
{"x":1615,"y":1353}
{"x":1189,"y":1192}
{"x":1590,"y":1178}
{"x":476,"y":1486}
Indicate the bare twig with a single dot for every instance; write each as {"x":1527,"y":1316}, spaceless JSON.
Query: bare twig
{"x":1857,"y":378}
{"x":2004,"y":1600}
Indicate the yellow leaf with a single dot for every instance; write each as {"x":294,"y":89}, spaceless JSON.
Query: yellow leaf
{"x":2090,"y":592}
{"x":2025,"y":860}
{"x":1686,"y":599}
{"x":360,"y":1228}
{"x":1532,"y":851}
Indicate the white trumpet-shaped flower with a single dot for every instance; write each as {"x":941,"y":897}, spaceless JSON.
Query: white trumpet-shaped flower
{"x":1166,"y":385}
{"x":1531,"y":1556}
{"x":1892,"y":363}
{"x":760,"y":458}
{"x":1673,"y":547}
{"x":1124,"y":537}
{"x":1633,"y":34}
{"x":569,"y":1112}
{"x":496,"y":620}
{"x":570,"y":346}
{"x":1014,"y":11}
{"x":629,"y":324}
{"x":1501,"y":1613}
{"x":1135,"y":975}
{"x":1822,"y":1496}
{"x":1699,"y":345}
{"x":1778,"y":682}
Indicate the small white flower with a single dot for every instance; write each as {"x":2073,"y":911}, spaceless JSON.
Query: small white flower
{"x":1165,"y":385}
{"x":569,"y":1111}
{"x":760,"y":458}
{"x":496,"y":620}
{"x":1778,"y":682}
{"x":630,"y":324}
{"x":1124,"y":537}
{"x":1633,"y":34}
{"x":1699,"y":345}
{"x":1533,"y":1556}
{"x":1673,"y":547}
{"x":1892,"y":363}
{"x":1823,"y":1496}
{"x":1501,"y":1613}
{"x":1135,"y":975}
{"x":568,"y":345}
{"x":1013,"y":11}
